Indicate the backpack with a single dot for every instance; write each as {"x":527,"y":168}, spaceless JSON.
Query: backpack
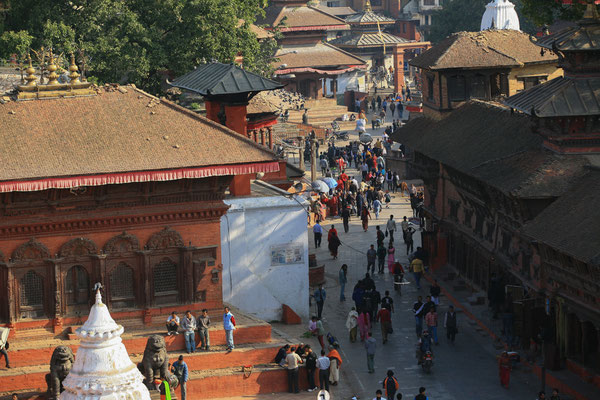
{"x":386,"y":302}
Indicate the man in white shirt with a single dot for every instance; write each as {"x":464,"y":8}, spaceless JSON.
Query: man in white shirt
{"x":172,"y":324}
{"x":318,"y":232}
{"x":323,"y":364}
{"x":292,"y":360}
{"x":379,"y":395}
{"x":391,"y":227}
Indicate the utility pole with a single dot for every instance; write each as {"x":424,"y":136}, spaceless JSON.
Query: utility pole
{"x":301,"y":150}
{"x":313,"y":160}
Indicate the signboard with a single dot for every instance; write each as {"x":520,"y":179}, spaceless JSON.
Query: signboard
{"x":285,"y":254}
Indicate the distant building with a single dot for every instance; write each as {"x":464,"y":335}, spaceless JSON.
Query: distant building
{"x":484,"y":65}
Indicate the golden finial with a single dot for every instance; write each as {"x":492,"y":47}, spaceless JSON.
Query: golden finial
{"x":52,"y":75}
{"x":73,"y":71}
{"x":368,"y":6}
{"x":30,"y":78}
{"x":591,"y":12}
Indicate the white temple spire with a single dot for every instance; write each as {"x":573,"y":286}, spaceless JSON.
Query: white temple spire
{"x":103,"y":369}
{"x":500,"y":14}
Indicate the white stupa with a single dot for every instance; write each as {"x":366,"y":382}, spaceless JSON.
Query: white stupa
{"x":500,"y":14}
{"x":103,"y":369}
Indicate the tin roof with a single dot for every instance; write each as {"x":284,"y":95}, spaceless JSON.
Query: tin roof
{"x":368,"y":39}
{"x":584,"y":36}
{"x":368,"y":17}
{"x":216,"y":79}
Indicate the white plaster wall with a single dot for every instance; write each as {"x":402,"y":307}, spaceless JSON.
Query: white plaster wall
{"x":248,"y":230}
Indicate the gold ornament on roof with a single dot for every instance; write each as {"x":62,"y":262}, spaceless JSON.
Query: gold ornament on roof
{"x":52,"y":75}
{"x":30,"y":78}
{"x":591,"y":12}
{"x":368,"y":6}
{"x":73,"y":75}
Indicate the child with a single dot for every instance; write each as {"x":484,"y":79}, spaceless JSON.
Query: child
{"x":388,"y":199}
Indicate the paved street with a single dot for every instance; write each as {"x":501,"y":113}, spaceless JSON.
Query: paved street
{"x":467,"y":368}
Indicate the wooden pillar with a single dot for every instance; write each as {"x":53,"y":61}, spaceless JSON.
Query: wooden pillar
{"x":262,"y":136}
{"x":57,"y":323}
{"x":12,"y":290}
{"x":301,"y":151}
{"x":255,"y":134}
{"x":147,"y":295}
{"x":398,"y":69}
{"x":188,"y":274}
{"x":270,"y":132}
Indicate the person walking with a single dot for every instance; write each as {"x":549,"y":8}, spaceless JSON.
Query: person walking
{"x":376,"y":207}
{"x":320,"y":295}
{"x":409,"y":239}
{"x":323,"y":364}
{"x":346,"y":218}
{"x":333,"y":243}
{"x":450,"y":324}
{"x":371,"y":258}
{"x":324,"y":165}
{"x":229,"y":326}
{"x":370,"y":346}
{"x":381,"y":253}
{"x":379,"y":395}
{"x":334,"y":368}
{"x":404,"y":225}
{"x":431,"y":319}
{"x":421,"y":395}
{"x":364,"y":324}
{"x":384,"y":316}
{"x":292,"y":360}
{"x":189,"y":331}
{"x":387,"y":301}
{"x":343,"y":279}
{"x":435,"y":290}
{"x":352,"y":324}
{"x":318,"y":330}
{"x":364,"y":217}
{"x":4,"y":345}
{"x":391,"y":257}
{"x":318,"y":234}
{"x":391,"y":227}
{"x":180,"y":370}
{"x":504,"y":369}
{"x":203,"y":322}
{"x":418,"y":307}
{"x":311,"y":367}
{"x":390,"y":385}
{"x":416,"y":265}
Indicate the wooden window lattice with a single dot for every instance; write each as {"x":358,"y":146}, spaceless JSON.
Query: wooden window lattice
{"x":165,"y":277}
{"x":121,"y":282}
{"x":32,"y":290}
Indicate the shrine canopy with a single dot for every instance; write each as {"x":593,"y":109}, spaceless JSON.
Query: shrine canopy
{"x":217,"y":81}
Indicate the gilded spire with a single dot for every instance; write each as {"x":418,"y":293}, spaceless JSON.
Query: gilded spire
{"x":591,"y":12}
{"x":30,"y":78}
{"x":73,"y":75}
{"x":368,"y":6}
{"x":52,"y":75}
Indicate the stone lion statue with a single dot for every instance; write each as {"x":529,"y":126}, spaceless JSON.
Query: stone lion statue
{"x":60,"y":365}
{"x":155,"y":363}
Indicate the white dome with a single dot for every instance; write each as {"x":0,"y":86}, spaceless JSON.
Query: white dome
{"x":103,"y":369}
{"x":500,"y":14}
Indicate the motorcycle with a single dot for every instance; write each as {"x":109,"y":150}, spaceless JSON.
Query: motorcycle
{"x":339,"y":135}
{"x":427,"y":362}
{"x":335,"y":126}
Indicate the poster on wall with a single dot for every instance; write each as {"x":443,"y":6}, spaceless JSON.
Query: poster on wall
{"x":284,"y":254}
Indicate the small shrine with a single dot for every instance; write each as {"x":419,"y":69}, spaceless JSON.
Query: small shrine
{"x":500,"y":14}
{"x":102,"y":368}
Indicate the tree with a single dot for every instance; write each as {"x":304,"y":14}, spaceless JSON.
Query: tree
{"x":544,"y":12}
{"x":137,"y":40}
{"x":465,"y":15}
{"x":17,"y":43}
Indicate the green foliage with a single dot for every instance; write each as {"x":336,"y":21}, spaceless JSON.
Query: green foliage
{"x":465,"y":15}
{"x":15,"y":43}
{"x":544,"y":12}
{"x":137,"y":40}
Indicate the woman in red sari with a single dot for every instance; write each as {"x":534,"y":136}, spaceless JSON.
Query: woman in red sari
{"x":364,"y":216}
{"x":334,"y":242}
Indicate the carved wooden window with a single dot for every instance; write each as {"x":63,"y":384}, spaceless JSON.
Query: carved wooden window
{"x":454,"y":205}
{"x":479,"y":219}
{"x":457,"y":87}
{"x":77,"y":285}
{"x":31,"y":290}
{"x":122,"y":293}
{"x":165,"y":277}
{"x":479,"y":85}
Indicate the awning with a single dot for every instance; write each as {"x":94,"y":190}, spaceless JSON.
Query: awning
{"x":140,"y":176}
{"x":319,"y":71}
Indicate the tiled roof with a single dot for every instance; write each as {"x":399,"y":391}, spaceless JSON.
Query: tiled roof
{"x":570,"y":224}
{"x":337,"y":11}
{"x":367,"y":40}
{"x":115,"y":131}
{"x":490,"y":143}
{"x":298,"y":17}
{"x":315,"y":55}
{"x":369,"y":17}
{"x":560,"y":97}
{"x":221,"y":79}
{"x":485,"y":49}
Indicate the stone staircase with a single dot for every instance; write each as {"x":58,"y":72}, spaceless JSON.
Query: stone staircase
{"x":321,"y":113}
{"x":247,"y":370}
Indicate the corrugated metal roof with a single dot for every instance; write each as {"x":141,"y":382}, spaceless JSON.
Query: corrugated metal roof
{"x":221,"y":79}
{"x":584,"y":36}
{"x":560,"y":97}
{"x":368,"y":40}
{"x":368,"y":17}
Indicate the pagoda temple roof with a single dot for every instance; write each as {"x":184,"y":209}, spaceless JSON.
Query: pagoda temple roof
{"x":299,"y":18}
{"x":317,"y":55}
{"x":368,"y":17}
{"x":560,"y":97}
{"x":119,"y":135}
{"x":484,"y":49}
{"x":216,"y":79}
{"x":584,"y":36}
{"x":368,"y":39}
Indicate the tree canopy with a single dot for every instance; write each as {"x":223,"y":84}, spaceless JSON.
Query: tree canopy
{"x":137,"y":40}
